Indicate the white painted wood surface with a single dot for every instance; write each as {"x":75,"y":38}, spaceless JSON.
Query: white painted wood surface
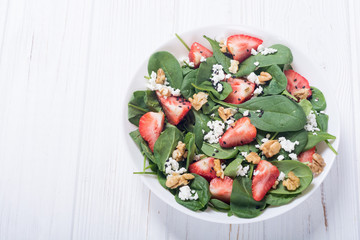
{"x":64,"y":66}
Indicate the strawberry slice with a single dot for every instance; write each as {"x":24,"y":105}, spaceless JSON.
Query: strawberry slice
{"x":204,"y":168}
{"x":151,"y":125}
{"x":296,"y":82}
{"x":175,"y":108}
{"x":264,"y":180}
{"x":221,"y":188}
{"x":240,"y":46}
{"x":242,"y":90}
{"x":197,"y":51}
{"x":307,"y":156}
{"x":242,"y":133}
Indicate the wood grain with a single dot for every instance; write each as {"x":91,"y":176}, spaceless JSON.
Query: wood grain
{"x":64,"y":66}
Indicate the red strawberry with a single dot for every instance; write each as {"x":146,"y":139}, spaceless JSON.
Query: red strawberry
{"x":240,"y":46}
{"x":242,"y":133}
{"x":175,"y":108}
{"x":242,"y":90}
{"x":307,"y":156}
{"x":197,"y":51}
{"x":296,"y":82}
{"x":264,"y":180}
{"x":204,"y":168}
{"x":150,"y":126}
{"x":221,"y":188}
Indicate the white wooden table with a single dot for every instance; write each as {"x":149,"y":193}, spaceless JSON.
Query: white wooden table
{"x":64,"y":66}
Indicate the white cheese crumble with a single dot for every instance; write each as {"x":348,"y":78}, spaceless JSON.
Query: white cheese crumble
{"x":280,"y":157}
{"x":258,"y":91}
{"x":229,"y":122}
{"x":186,"y":61}
{"x":256,"y":63}
{"x":256,"y":172}
{"x":281,"y":176}
{"x":264,"y":140}
{"x":260,"y":48}
{"x":244,"y":154}
{"x":172,"y":166}
{"x":293,"y":156}
{"x":257,"y":146}
{"x":268,"y":135}
{"x":252,"y":77}
{"x":217,"y":76}
{"x":216,"y":130}
{"x":287,"y":145}
{"x":152,"y":85}
{"x":253,"y":52}
{"x":242,"y":171}
{"x":311,"y":124}
{"x":265,"y":51}
{"x":323,"y":112}
{"x":223,"y":166}
{"x":246,"y":113}
{"x":186,"y":193}
{"x":202,"y":59}
{"x":234,"y":66}
{"x":227,"y":76}
{"x":314,"y":133}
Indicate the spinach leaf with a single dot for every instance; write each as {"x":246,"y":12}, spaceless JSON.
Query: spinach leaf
{"x":165,"y":145}
{"x":282,"y":56}
{"x":322,"y":120}
{"x":191,"y":147}
{"x":301,"y":170}
{"x":306,"y":106}
{"x":315,"y":139}
{"x":317,"y":99}
{"x":142,"y":145}
{"x":219,"y":205}
{"x":248,"y":148}
{"x":201,"y":186}
{"x":187,"y":90}
{"x":279,"y":199}
{"x":216,"y":151}
{"x":219,"y":56}
{"x":205,"y":71}
{"x":232,"y":168}
{"x":169,"y":64}
{"x":186,"y":70}
{"x":242,"y":203}
{"x":162,"y":180}
{"x":278,"y":82}
{"x":201,"y":121}
{"x":140,"y":103}
{"x":208,"y":87}
{"x":209,"y":107}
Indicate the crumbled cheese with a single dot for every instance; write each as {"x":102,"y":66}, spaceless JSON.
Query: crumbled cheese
{"x":258,"y":91}
{"x":280,"y":157}
{"x":316,"y":99}
{"x":314,"y":133}
{"x":281,"y":176}
{"x":230,"y":122}
{"x":257,"y":146}
{"x":223,"y":166}
{"x":217,"y":76}
{"x":256,"y":63}
{"x":186,"y":61}
{"x":227,"y":76}
{"x":212,"y":115}
{"x":311,"y":124}
{"x":264,"y":140}
{"x":258,"y":110}
{"x":260,"y":48}
{"x":246,"y":113}
{"x":256,"y":172}
{"x":242,"y":171}
{"x":202,"y":59}
{"x":216,"y":130}
{"x":323,"y":112}
{"x":244,"y":154}
{"x":287,"y":145}
{"x":152,"y":85}
{"x":172,"y":166}
{"x":268,"y":135}
{"x":252,"y":77}
{"x":293,"y":156}
{"x":186,"y":193}
{"x":268,"y":51}
{"x":253,"y":52}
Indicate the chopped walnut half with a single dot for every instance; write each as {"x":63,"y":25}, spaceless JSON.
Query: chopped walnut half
{"x":302,"y":93}
{"x":275,"y":184}
{"x":264,"y":77}
{"x":253,"y":157}
{"x":222,"y":46}
{"x":180,"y":152}
{"x":218,"y":168}
{"x":234,"y":66}
{"x":270,"y":148}
{"x":175,"y":180}
{"x":318,"y":164}
{"x":292,"y":182}
{"x":226,"y":113}
{"x":160,"y":76}
{"x":198,"y":100}
{"x":165,"y":92}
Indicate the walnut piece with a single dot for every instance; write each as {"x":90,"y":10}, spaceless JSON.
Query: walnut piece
{"x":253,"y":157}
{"x":198,"y":100}
{"x":165,"y":92}
{"x":218,"y":169}
{"x":270,"y":148}
{"x":318,"y":164}
{"x":292,"y":182}
{"x":175,"y":180}
{"x":226,"y":113}
{"x":160,"y":76}
{"x":234,"y":66}
{"x":275,"y":184}
{"x":264,"y":77}
{"x":222,"y":46}
{"x":302,"y":93}
{"x":180,"y":152}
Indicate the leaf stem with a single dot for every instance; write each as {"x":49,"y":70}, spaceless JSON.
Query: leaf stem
{"x":331,"y":147}
{"x":147,"y":77}
{"x":182,"y":41}
{"x":138,"y":108}
{"x":150,"y":173}
{"x":274,"y":136}
{"x":144,"y":163}
{"x":286,"y":93}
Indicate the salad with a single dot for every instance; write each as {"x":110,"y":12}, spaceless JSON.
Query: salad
{"x":233,"y":128}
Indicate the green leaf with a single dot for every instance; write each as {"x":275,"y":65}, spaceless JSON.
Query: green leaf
{"x":306,"y":106}
{"x":187,"y":90}
{"x":278,"y":82}
{"x":216,"y":151}
{"x":165,"y":145}
{"x":242,"y":203}
{"x":162,"y":180}
{"x":191,"y":147}
{"x":209,"y":107}
{"x":279,"y":199}
{"x":219,"y":205}
{"x":317,"y":99}
{"x":219,"y":56}
{"x":201,"y":186}
{"x":315,"y":139}
{"x":140,"y":103}
{"x":208,"y":87}
{"x":248,"y":148}
{"x":142,"y":145}
{"x":169,"y":64}
{"x":322,"y":120}
{"x":300,"y":136}
{"x":201,"y":121}
{"x":232,"y":167}
{"x":282,"y":56}
{"x":301,"y":170}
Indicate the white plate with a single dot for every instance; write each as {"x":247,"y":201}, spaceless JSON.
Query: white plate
{"x":303,"y":65}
